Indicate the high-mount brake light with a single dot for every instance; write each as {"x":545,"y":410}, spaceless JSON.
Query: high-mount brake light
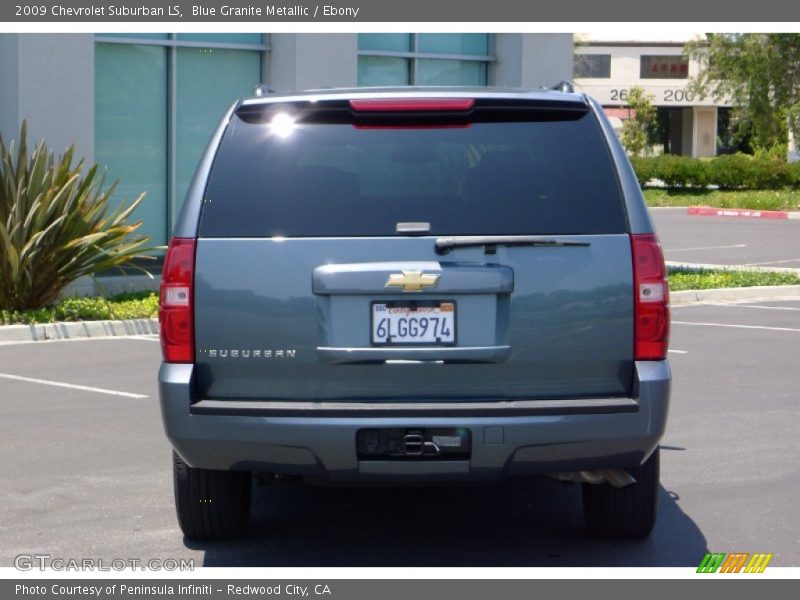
{"x":176,"y":302}
{"x":651,"y":298}
{"x":411,"y":104}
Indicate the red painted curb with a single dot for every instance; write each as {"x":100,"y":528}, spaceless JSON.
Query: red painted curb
{"x":708,"y":211}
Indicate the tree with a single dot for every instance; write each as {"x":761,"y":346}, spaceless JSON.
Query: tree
{"x":759,"y":73}
{"x":635,"y":130}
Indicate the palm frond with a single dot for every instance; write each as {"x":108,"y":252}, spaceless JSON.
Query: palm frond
{"x":57,"y":224}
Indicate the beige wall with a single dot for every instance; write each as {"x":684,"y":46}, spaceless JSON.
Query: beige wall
{"x":48,"y":79}
{"x":531,"y":60}
{"x":695,"y":133}
{"x":305,"y":61}
{"x":625,"y":73}
{"x":705,"y":131}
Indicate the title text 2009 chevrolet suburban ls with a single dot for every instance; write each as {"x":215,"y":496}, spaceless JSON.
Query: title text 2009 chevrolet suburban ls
{"x":411,"y":285}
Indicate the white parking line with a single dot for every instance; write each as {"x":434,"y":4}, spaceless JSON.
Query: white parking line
{"x":735,"y":302}
{"x":773,"y":262}
{"x":72,"y":386}
{"x":100,"y":338}
{"x":707,"y":248}
{"x":735,"y":326}
{"x":760,"y":306}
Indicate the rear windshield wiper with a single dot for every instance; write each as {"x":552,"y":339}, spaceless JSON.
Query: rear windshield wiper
{"x":490,"y":242}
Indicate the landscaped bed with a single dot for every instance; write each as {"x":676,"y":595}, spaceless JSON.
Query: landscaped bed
{"x":139,"y":305}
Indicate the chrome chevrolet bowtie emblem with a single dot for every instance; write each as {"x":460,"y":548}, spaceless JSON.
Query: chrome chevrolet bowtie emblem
{"x":412,"y":281}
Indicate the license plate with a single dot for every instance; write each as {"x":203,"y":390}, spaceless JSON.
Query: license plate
{"x":429,"y":323}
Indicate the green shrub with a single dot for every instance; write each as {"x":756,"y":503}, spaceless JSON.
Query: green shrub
{"x":643,"y":168}
{"x":728,"y":172}
{"x":739,"y":171}
{"x":684,"y":171}
{"x":56,"y":225}
{"x":769,"y":174}
{"x":774,"y":152}
{"x":676,"y":171}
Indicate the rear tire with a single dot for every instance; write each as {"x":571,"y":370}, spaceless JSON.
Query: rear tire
{"x":624,"y":513}
{"x":211,"y":505}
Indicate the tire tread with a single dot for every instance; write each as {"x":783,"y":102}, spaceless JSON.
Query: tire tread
{"x":211,"y":505}
{"x":624,"y":513}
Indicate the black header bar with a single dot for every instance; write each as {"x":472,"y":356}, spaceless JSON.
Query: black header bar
{"x":377,"y":11}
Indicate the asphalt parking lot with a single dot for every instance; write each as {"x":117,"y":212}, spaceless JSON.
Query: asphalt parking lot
{"x":727,"y":240}
{"x":86,"y":471}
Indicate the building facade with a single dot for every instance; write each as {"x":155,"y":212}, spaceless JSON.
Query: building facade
{"x":607,"y":69}
{"x":144,"y":105}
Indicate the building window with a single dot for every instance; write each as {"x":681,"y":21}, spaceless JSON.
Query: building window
{"x":664,"y":67}
{"x":158,"y":98}
{"x":597,"y":66}
{"x":423,"y":59}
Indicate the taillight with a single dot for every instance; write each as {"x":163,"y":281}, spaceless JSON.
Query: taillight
{"x":176,"y":302}
{"x":651,"y":298}
{"x":411,"y":104}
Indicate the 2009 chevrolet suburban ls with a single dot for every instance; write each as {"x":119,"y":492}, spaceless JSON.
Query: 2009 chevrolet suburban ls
{"x":410,"y":285}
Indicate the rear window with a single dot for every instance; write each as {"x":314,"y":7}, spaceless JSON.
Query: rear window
{"x":548,"y":173}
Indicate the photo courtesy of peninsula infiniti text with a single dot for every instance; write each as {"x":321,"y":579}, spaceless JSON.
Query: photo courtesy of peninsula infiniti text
{"x":414,"y":285}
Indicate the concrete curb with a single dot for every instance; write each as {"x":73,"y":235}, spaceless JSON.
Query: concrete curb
{"x":710,"y":211}
{"x":719,"y":295}
{"x":78,"y":330}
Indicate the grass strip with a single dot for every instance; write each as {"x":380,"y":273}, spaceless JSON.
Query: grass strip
{"x":750,"y":199}
{"x":686,"y":279}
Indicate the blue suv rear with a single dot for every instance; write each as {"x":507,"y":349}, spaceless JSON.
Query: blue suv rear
{"x":415,"y":285}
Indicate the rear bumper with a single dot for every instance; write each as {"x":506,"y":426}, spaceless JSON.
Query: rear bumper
{"x":319,"y":440}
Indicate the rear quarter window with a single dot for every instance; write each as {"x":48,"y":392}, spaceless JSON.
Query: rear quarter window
{"x":322,"y":179}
